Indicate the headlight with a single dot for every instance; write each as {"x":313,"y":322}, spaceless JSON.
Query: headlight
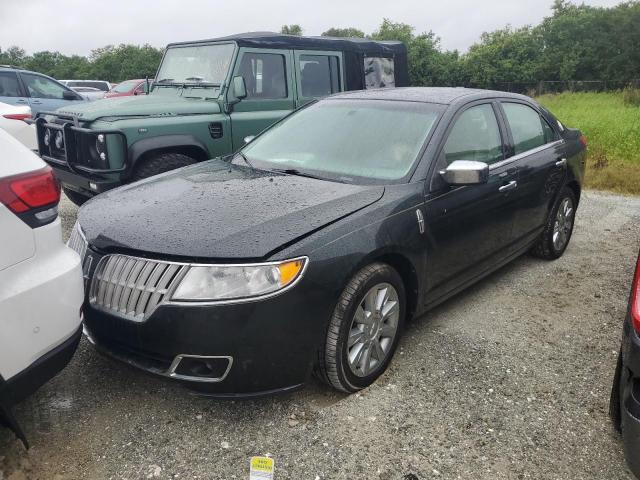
{"x":101,"y":146}
{"x":59,"y":140}
{"x":238,"y":282}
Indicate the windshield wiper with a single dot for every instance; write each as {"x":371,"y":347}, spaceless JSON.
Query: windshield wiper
{"x":295,"y":171}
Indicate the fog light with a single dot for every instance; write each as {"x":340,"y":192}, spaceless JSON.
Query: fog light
{"x":103,"y":156}
{"x":47,"y":137}
{"x":93,"y":186}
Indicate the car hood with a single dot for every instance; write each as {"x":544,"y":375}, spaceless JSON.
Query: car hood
{"x":218,"y":210}
{"x":157,"y":104}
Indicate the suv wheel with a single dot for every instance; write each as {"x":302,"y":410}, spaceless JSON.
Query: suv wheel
{"x":160,"y":163}
{"x":75,"y":197}
{"x":555,"y":237}
{"x":364,"y":329}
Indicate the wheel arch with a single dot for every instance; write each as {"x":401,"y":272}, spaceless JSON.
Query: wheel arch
{"x":575,"y":187}
{"x":186,"y":144}
{"x":405,"y":268}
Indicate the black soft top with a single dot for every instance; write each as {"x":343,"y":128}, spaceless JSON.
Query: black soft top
{"x":354,"y":51}
{"x":277,"y":40}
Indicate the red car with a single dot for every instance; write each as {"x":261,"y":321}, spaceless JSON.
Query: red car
{"x":127,"y":88}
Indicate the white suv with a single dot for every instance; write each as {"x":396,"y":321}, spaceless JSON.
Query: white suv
{"x":41,"y":285}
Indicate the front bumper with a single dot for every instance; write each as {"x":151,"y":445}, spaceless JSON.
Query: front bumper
{"x":260,"y":348}
{"x":76,"y":161}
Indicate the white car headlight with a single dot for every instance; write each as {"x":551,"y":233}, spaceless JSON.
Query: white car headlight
{"x":237,"y":282}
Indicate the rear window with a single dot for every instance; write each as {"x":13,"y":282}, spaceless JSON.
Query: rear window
{"x":125,"y":86}
{"x":86,"y":83}
{"x":379,"y":72}
{"x":528,"y":129}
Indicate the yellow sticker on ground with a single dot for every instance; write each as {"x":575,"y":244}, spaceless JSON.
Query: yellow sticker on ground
{"x":261,"y":468}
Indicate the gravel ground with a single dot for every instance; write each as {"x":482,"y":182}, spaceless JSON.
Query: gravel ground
{"x":509,"y":379}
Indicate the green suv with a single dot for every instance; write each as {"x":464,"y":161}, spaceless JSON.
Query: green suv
{"x":209,"y":98}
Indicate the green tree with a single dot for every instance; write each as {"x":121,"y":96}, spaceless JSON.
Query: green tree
{"x":349,"y":32}
{"x":12,"y":56}
{"x":291,"y":30}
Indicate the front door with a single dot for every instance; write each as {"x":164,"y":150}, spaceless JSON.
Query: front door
{"x":268,"y":76}
{"x":45,"y":95}
{"x":469,"y":227}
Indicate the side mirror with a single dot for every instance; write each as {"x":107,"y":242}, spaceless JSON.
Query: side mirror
{"x":239,"y":87}
{"x":249,"y":138}
{"x":69,"y":95}
{"x":466,"y":172}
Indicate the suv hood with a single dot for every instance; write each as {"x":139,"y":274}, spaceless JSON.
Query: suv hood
{"x":159,"y":105}
{"x":218,"y":210}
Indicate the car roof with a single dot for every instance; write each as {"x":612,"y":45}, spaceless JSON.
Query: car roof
{"x":281,"y":41}
{"x":440,"y":95}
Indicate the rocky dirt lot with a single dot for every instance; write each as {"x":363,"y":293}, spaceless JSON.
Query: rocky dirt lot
{"x":509,"y":380}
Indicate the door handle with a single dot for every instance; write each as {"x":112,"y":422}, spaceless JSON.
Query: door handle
{"x":509,"y":186}
{"x":22,"y":100}
{"x":561,"y":163}
{"x":37,"y":102}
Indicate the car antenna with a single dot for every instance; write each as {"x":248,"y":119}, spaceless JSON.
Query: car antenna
{"x":146,"y":81}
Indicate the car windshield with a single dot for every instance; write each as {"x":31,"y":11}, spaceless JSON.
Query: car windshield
{"x":342,"y":139}
{"x":88,"y":84}
{"x":125,"y":86}
{"x":207,"y":64}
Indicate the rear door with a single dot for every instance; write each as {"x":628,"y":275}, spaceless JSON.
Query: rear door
{"x":536,"y":149}
{"x":318,"y":74}
{"x":11,"y":91}
{"x":469,"y":227}
{"x":268,"y":76}
{"x":45,"y":94}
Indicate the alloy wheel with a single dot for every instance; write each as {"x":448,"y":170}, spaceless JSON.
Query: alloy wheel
{"x":373,"y":329}
{"x":563,"y":224}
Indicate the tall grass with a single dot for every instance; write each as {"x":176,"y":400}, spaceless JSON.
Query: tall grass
{"x":612,"y":128}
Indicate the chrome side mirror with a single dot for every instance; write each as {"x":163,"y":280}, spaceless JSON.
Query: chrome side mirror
{"x":239,"y":87}
{"x":249,"y":138}
{"x":466,"y":172}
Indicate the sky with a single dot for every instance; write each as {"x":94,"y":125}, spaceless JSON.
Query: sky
{"x":78,"y":26}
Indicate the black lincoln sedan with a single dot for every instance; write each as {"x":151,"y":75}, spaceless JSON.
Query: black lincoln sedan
{"x":625,"y":394}
{"x":308,"y":249}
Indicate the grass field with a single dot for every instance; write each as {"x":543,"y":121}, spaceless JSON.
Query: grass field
{"x":613,"y":135}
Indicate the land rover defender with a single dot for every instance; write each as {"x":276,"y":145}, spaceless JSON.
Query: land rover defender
{"x":208,"y":99}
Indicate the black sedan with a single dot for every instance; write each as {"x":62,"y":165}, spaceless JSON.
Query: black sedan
{"x":309,"y":249}
{"x":625,"y":395}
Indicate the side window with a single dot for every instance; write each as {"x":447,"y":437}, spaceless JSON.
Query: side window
{"x":319,"y":75}
{"x":42,"y":87}
{"x":528,"y":129}
{"x":265,"y":75}
{"x":475,"y":136}
{"x":379,"y":72}
{"x":9,"y":86}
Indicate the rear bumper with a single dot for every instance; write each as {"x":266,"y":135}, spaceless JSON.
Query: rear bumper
{"x":630,"y":399}
{"x":20,"y":386}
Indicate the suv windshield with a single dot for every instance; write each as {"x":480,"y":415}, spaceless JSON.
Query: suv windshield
{"x":342,"y":139}
{"x":207,"y":64}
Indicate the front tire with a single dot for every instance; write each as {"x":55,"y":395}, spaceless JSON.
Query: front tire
{"x":555,"y":237}
{"x":364,"y":329}
{"x":160,"y":163}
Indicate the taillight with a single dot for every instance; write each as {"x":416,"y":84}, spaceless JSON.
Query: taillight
{"x":583,"y":140}
{"x":33,"y":196}
{"x":18,"y":116}
{"x":635,"y":298}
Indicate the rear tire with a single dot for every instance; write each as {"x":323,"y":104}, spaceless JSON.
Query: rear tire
{"x":76,"y":197}
{"x":160,"y":163}
{"x":345,"y":363}
{"x":555,"y":237}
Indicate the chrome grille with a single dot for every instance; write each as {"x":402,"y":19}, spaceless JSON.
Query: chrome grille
{"x":132,"y":287}
{"x":77,"y":241}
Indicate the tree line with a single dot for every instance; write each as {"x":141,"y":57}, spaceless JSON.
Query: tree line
{"x":575,"y":42}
